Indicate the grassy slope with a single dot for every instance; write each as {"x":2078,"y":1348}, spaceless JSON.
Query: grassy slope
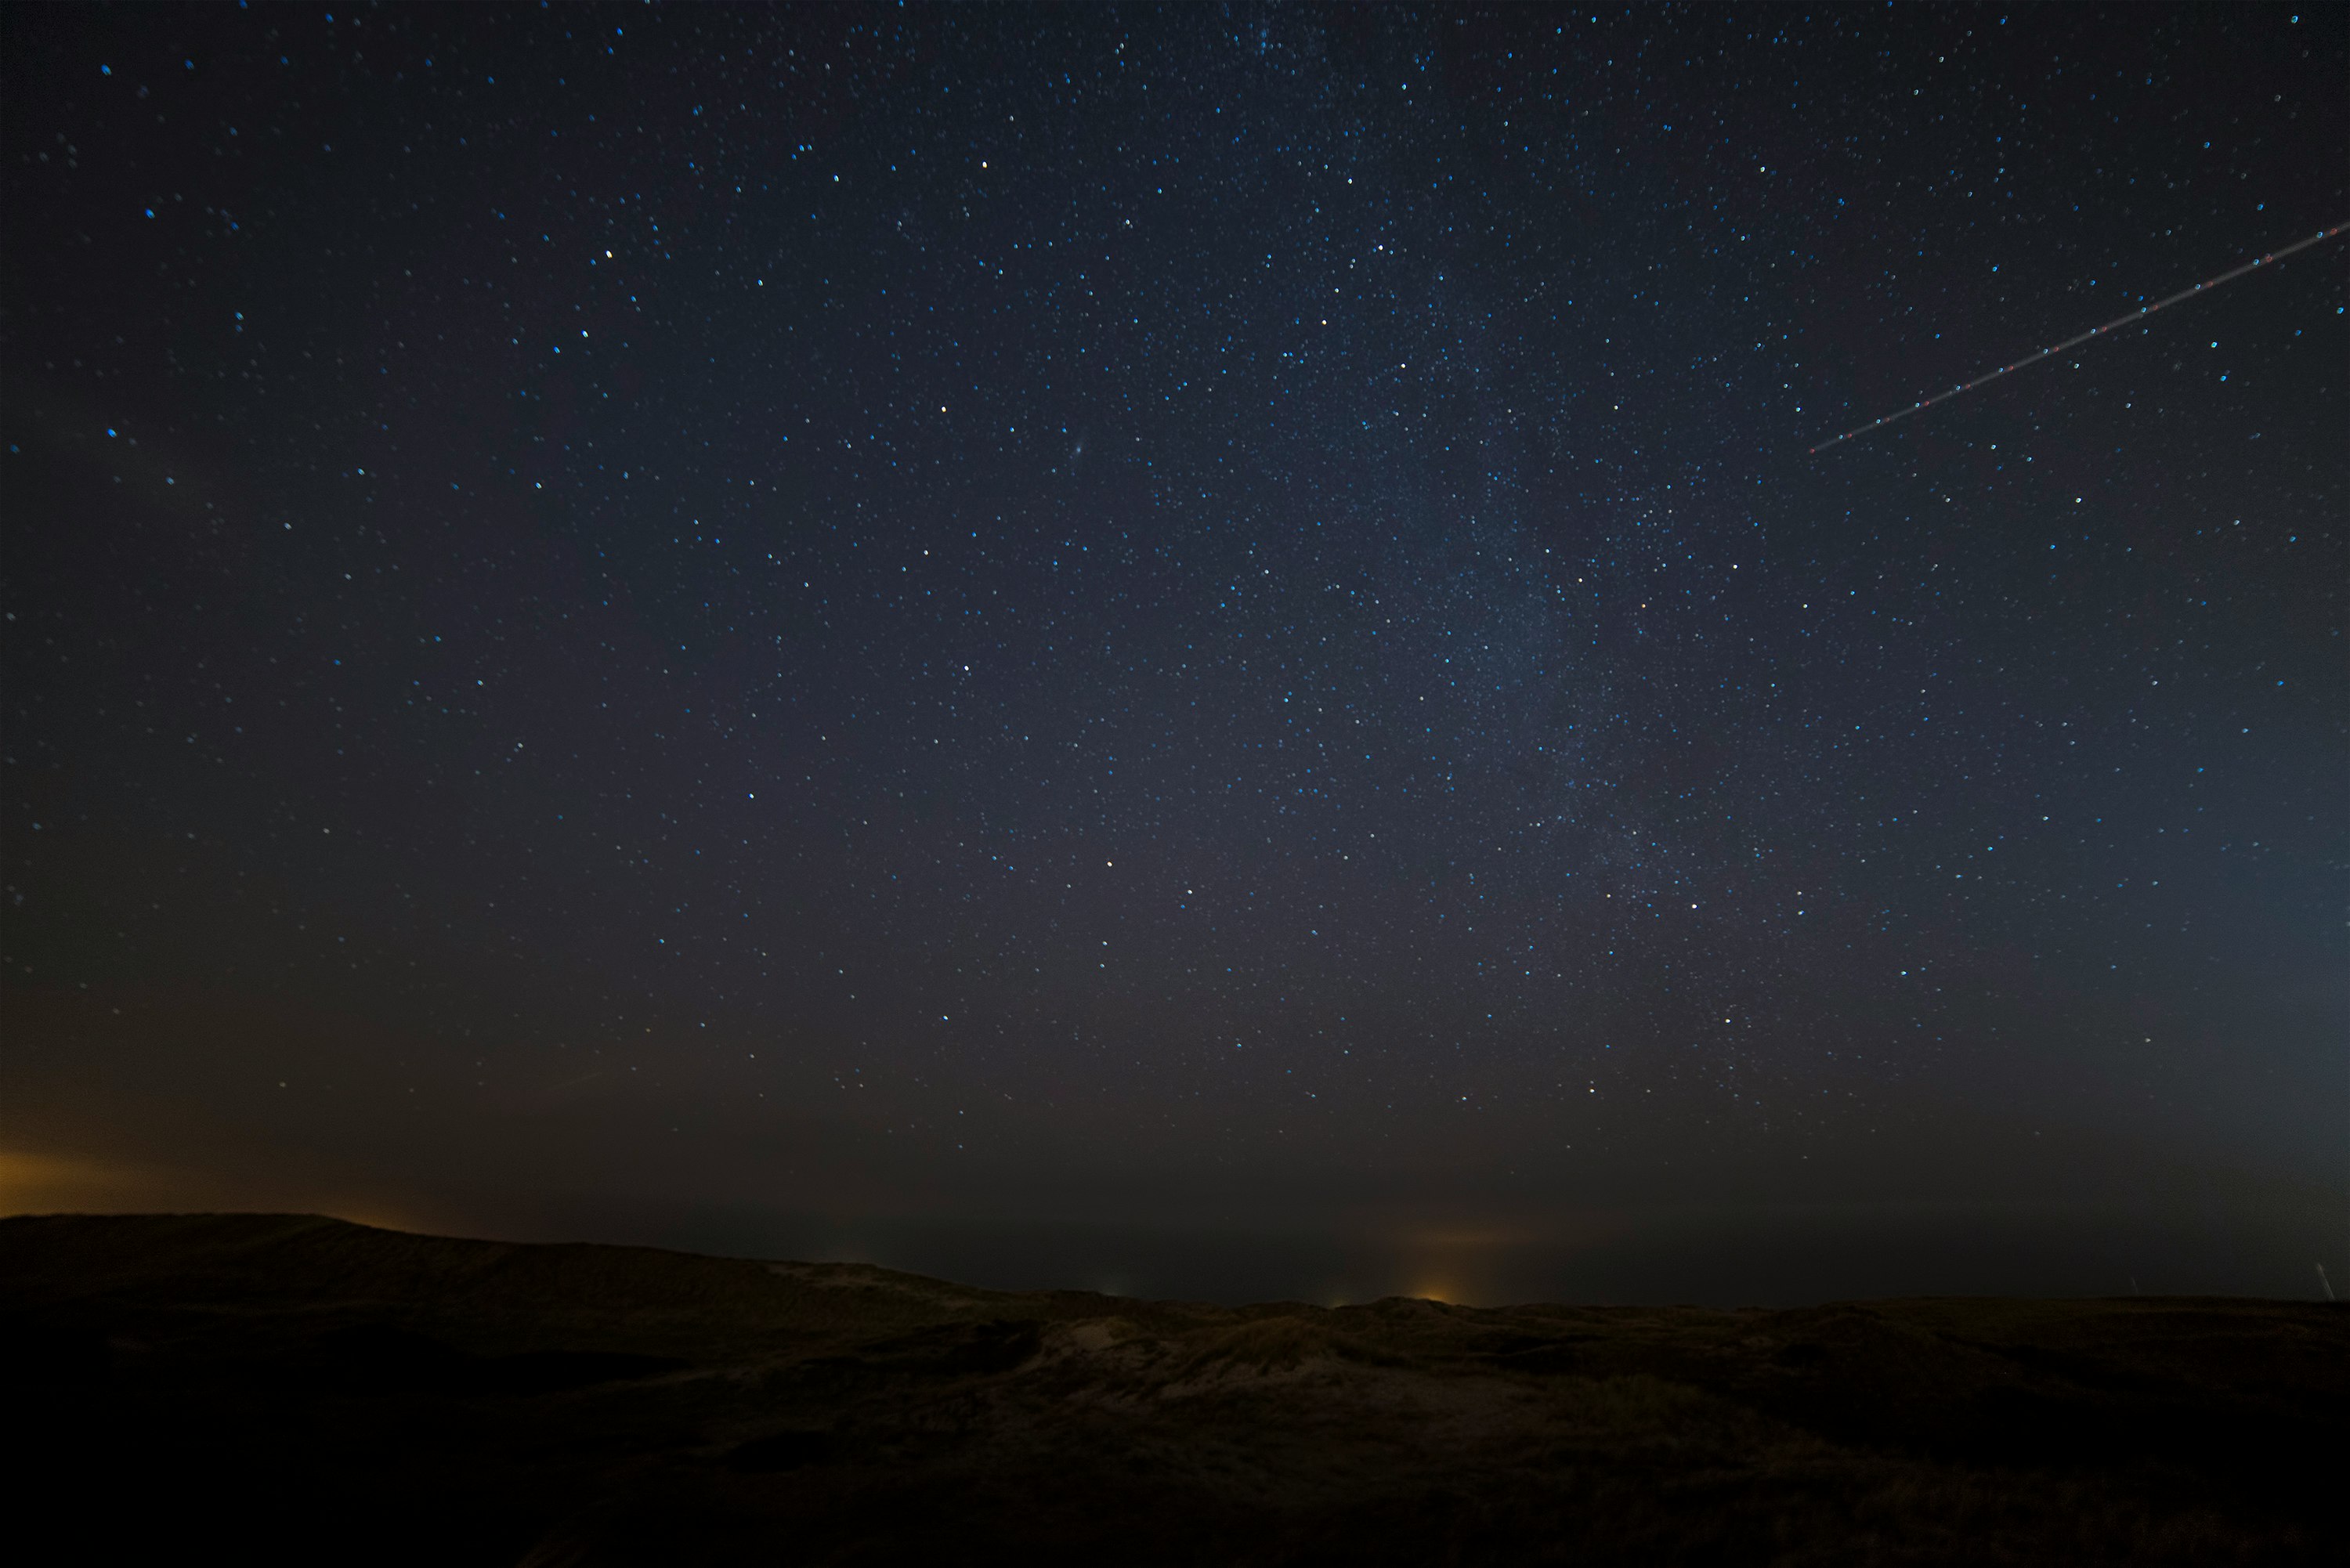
{"x":308,"y":1390}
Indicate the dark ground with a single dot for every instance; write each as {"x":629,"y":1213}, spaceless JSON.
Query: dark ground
{"x":265,"y":1389}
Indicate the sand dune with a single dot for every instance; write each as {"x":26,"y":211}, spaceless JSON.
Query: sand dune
{"x":295,"y":1388}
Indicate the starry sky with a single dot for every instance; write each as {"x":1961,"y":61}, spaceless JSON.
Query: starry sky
{"x":1187,"y":650}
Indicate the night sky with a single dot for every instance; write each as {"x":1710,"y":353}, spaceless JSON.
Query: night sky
{"x":1195,"y":651}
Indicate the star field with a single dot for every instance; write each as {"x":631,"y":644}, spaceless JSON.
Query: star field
{"x":1175,"y":615}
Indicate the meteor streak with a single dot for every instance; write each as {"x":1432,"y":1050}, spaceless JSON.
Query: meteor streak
{"x":2138,"y":314}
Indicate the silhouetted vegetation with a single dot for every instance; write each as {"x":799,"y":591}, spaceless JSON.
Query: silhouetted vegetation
{"x":298,"y":1389}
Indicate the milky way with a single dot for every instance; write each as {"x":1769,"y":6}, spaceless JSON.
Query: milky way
{"x":1181,"y":616}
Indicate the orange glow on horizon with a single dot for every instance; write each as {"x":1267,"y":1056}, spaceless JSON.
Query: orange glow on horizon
{"x":36,"y":1182}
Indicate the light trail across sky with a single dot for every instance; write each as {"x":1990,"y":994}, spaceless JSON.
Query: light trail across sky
{"x":2138,"y":314}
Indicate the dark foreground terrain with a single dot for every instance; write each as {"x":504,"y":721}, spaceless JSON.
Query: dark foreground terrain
{"x":262,"y":1388}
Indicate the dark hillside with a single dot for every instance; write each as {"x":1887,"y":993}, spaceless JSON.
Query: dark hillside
{"x":298,"y":1389}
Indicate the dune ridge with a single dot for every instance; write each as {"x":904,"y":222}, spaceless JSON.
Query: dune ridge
{"x":271,"y":1380}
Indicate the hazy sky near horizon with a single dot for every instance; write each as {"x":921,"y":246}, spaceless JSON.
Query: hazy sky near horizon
{"x":967,"y":635}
